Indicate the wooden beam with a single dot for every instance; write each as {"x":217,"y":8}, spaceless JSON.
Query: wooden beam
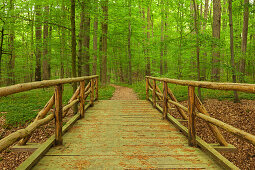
{"x":92,"y":93}
{"x":250,"y":88}
{"x":154,"y":93}
{"x":58,"y":115}
{"x":220,"y":148}
{"x":147,"y":88}
{"x":96,"y":98}
{"x":82,"y":102}
{"x":165,"y":99}
{"x":191,"y":109}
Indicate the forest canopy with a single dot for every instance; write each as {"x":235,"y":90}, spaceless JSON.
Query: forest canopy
{"x":125,"y":40}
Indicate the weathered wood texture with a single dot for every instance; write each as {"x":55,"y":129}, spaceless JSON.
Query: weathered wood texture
{"x":204,"y":114}
{"x":124,"y":135}
{"x":42,"y":117}
{"x":250,"y":88}
{"x":4,"y":91}
{"x":191,"y":109}
{"x":58,"y":115}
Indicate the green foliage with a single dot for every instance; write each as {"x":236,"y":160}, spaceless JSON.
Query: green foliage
{"x":105,"y":93}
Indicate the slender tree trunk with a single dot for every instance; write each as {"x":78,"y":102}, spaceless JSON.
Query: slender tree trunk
{"x":216,"y":34}
{"x":95,"y":26}
{"x":232,"y":48}
{"x":244,"y":39}
{"x":73,"y":42}
{"x":129,"y":46}
{"x":197,"y":45}
{"x":104,"y":41}
{"x":46,"y":58}
{"x":1,"y":52}
{"x":81,"y":39}
{"x":165,"y":38}
{"x":11,"y":62}
{"x":32,"y":48}
{"x":148,"y":59}
{"x":38,"y":36}
{"x":162,"y":38}
{"x":86,"y":38}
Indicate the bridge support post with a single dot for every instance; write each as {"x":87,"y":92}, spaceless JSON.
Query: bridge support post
{"x":96,"y":98}
{"x":82,"y":102}
{"x":58,"y":114}
{"x":147,"y":88}
{"x":165,"y":105}
{"x":191,"y":109}
{"x":92,"y":92}
{"x":154,"y":93}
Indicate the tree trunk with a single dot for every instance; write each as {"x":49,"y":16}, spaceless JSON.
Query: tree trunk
{"x":95,"y":26}
{"x":81,"y":39}
{"x":162,"y":38}
{"x":244,"y":39}
{"x":1,"y":52}
{"x":86,"y":37}
{"x":46,"y":58}
{"x":104,"y":41}
{"x":129,"y":46}
{"x":75,"y":108}
{"x":148,"y":59}
{"x":197,"y":46}
{"x":38,"y":36}
{"x":232,"y":48}
{"x":11,"y":62}
{"x":216,"y":35}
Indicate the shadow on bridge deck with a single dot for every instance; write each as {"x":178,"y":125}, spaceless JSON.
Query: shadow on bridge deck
{"x":124,"y":135}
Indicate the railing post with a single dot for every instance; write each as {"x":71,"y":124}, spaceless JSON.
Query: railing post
{"x":165,"y":99}
{"x":92,"y":92}
{"x":58,"y":115}
{"x":191,"y":109}
{"x":82,"y":101}
{"x":154,"y":93}
{"x":147,"y":88}
{"x":96,"y":98}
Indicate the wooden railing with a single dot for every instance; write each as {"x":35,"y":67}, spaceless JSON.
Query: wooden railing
{"x":167,"y":97}
{"x":80,"y":95}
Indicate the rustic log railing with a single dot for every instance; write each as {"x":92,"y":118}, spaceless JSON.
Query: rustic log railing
{"x":167,"y":98}
{"x":80,"y":95}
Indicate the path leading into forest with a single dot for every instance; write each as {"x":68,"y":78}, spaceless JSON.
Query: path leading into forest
{"x":123,"y":93}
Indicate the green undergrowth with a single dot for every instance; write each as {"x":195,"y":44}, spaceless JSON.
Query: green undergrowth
{"x":181,"y":92}
{"x":23,"y":107}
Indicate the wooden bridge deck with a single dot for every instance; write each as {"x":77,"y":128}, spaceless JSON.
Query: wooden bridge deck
{"x":124,"y":135}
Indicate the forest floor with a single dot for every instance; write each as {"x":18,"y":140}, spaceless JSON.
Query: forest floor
{"x":240,"y":115}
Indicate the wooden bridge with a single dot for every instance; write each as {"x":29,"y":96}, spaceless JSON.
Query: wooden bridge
{"x":125,"y":134}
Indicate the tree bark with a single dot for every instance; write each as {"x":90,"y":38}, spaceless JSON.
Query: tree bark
{"x":148,"y":59}
{"x":86,"y":37}
{"x":129,"y":46}
{"x":73,"y":42}
{"x":81,"y":39}
{"x":94,"y":70}
{"x":46,"y":57}
{"x":162,"y":38}
{"x":232,"y":61}
{"x":38,"y":36}
{"x":244,"y":39}
{"x":104,"y":41}
{"x":216,"y":35}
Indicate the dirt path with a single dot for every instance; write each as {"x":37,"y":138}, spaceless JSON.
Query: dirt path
{"x":123,"y":93}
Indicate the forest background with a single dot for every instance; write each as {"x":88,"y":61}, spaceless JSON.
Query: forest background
{"x":122,"y":41}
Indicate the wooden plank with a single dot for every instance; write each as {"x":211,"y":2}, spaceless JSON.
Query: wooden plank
{"x":29,"y":147}
{"x":191,"y":109}
{"x":218,"y":147}
{"x":58,"y":115}
{"x":44,"y":148}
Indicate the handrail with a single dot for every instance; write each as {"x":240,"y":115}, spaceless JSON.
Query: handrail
{"x":250,"y":88}
{"x":80,"y":95}
{"x":194,"y":102}
{"x":4,"y":91}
